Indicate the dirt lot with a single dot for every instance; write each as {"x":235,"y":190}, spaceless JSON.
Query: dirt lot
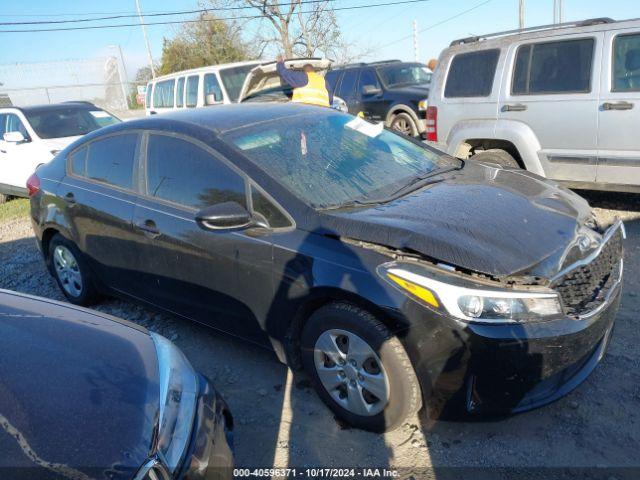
{"x":281,"y":422}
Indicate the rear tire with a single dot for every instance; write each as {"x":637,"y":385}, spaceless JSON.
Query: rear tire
{"x":498,"y":156}
{"x":70,"y":270}
{"x":403,"y":123}
{"x":368,"y":356}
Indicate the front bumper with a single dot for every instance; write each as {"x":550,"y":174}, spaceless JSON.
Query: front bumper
{"x":473,"y":369}
{"x":210,"y":452}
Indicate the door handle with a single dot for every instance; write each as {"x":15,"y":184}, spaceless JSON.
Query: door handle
{"x":70,"y":198}
{"x":152,"y":112}
{"x":149,"y":228}
{"x":3,"y":151}
{"x":617,"y":106}
{"x":518,"y":107}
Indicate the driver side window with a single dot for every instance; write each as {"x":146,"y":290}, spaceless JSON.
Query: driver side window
{"x":14,"y":124}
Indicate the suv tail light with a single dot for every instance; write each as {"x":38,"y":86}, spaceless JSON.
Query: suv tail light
{"x":33,"y":185}
{"x":432,"y":124}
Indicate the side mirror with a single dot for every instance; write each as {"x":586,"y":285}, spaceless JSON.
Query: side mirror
{"x":13,"y":137}
{"x":225,"y":216}
{"x":369,"y":90}
{"x":212,"y":99}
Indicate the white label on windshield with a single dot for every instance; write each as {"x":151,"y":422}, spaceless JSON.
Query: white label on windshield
{"x":99,"y":114}
{"x":369,"y":129}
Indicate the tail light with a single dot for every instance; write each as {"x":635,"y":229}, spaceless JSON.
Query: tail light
{"x":432,"y":124}
{"x":33,"y":185}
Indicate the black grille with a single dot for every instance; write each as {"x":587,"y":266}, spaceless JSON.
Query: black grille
{"x":581,"y":288}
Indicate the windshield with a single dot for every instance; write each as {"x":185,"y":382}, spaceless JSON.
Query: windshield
{"x":68,"y":122}
{"x":403,"y":75}
{"x":329,"y":159}
{"x":233,"y":79}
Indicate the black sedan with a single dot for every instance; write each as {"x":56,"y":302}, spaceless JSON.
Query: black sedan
{"x":84,"y":395}
{"x":395,"y":275}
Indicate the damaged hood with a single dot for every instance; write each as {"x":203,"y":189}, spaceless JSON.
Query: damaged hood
{"x":265,"y":78}
{"x":489,"y":220}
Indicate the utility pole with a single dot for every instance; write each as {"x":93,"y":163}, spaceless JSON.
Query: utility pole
{"x":521,"y":15}
{"x":146,"y":40}
{"x":415,"y":41}
{"x":558,"y":11}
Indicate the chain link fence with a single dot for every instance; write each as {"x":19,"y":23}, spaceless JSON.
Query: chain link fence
{"x":99,"y":80}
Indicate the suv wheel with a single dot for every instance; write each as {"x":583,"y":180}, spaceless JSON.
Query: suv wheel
{"x":359,"y":369}
{"x":404,"y":124}
{"x":71,"y":272}
{"x":495,"y":155}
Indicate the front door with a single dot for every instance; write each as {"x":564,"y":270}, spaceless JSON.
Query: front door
{"x":215,"y":277}
{"x":553,"y":92}
{"x":17,"y":160}
{"x":372,"y":105}
{"x":619,"y":110}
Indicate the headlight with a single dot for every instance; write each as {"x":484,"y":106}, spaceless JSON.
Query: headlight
{"x":423,"y":104}
{"x":178,"y":397}
{"x":470,"y":301}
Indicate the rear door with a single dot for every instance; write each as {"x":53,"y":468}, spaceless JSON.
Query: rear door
{"x":99,"y":191}
{"x":347,"y":89}
{"x":215,"y":277}
{"x":554,"y":92}
{"x":619,"y":110}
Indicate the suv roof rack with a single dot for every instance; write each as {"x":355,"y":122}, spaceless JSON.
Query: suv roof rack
{"x":581,"y":23}
{"x":365,"y":64}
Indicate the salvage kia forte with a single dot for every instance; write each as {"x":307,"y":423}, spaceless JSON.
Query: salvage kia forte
{"x":397,"y":276}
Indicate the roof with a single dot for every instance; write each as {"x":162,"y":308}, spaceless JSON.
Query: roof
{"x":222,"y":118}
{"x":381,"y":63}
{"x":53,"y":106}
{"x":209,"y":68}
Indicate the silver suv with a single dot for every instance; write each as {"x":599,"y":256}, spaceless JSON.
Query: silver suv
{"x":562,"y":101}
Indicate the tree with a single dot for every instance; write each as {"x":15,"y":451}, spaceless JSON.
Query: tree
{"x":296,"y":29}
{"x":208,"y":41}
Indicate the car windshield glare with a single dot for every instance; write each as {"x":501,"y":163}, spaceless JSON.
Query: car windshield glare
{"x":330,"y":159}
{"x":68,"y":122}
{"x":403,"y":75}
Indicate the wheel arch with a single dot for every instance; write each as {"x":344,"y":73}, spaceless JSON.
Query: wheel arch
{"x":402,"y":108}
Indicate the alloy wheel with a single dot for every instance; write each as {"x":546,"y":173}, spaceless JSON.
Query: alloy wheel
{"x":67,"y":270}
{"x":351,"y":372}
{"x":403,"y":126}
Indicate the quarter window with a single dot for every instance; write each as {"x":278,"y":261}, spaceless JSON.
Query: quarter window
{"x":180,"y":92}
{"x":272,"y":214}
{"x":348,"y":84}
{"x":555,"y":67}
{"x":163,"y":94}
{"x":78,"y":162}
{"x":184,"y":173}
{"x":148,"y":97}
{"x":626,"y":63}
{"x":111,"y":160}
{"x":332,"y":79}
{"x":192,"y":91}
{"x":471,"y":74}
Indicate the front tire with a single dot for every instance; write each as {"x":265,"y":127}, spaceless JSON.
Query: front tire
{"x":403,"y":123}
{"x":359,"y":369}
{"x":71,"y":272}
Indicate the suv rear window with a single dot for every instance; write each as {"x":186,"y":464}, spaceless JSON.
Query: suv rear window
{"x":471,"y":74}
{"x":554,"y":67}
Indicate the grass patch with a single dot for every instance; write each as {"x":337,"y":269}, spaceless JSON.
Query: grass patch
{"x":18,"y":207}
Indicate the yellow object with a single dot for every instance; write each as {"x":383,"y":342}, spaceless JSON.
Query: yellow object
{"x":422,"y":293}
{"x":314,"y":92}
{"x":361,"y":114}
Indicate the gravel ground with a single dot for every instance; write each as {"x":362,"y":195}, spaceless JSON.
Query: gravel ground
{"x":280,"y":421}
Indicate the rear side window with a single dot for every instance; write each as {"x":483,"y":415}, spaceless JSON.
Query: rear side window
{"x":111,"y":160}
{"x":368,"y":78}
{"x":554,"y":67}
{"x":163,"y":94}
{"x":626,"y":63}
{"x":148,"y":97}
{"x":192,"y":91}
{"x":332,"y":79}
{"x":183,"y":173}
{"x":348,"y":84}
{"x":471,"y":74}
{"x":78,"y":162}
{"x":180,"y":92}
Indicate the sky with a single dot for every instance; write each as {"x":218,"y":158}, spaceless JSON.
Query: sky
{"x":384,"y":32}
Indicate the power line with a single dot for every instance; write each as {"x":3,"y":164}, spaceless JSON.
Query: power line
{"x":246,"y":17}
{"x":441,"y":22}
{"x":157,"y":14}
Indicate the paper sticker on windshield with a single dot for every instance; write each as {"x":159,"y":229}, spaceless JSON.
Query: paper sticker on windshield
{"x":99,"y":114}
{"x":369,"y":129}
